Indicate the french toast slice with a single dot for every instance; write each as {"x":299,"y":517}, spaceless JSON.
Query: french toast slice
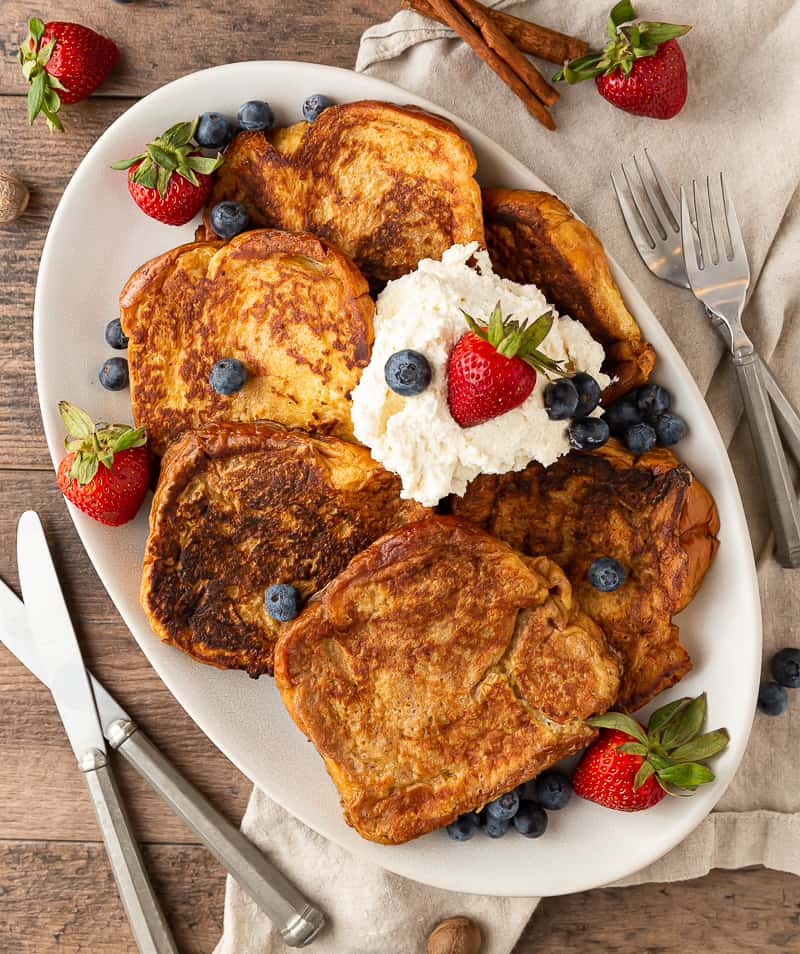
{"x":648,"y":512}
{"x":293,"y":309}
{"x":437,"y":672}
{"x":388,"y":185}
{"x":532,"y":237}
{"x":239,"y":507}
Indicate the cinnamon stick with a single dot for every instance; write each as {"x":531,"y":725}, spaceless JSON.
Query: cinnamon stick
{"x":528,"y":37}
{"x":447,"y":12}
{"x":504,"y":48}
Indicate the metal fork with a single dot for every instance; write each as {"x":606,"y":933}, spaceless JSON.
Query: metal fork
{"x":652,"y":215}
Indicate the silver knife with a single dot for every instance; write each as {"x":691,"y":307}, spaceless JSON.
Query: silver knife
{"x":297,"y":921}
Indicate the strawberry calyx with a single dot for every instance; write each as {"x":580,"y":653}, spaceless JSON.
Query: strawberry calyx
{"x":672,"y":746}
{"x":514,"y":340}
{"x":628,"y":41}
{"x":43,"y":93}
{"x":173,"y":152}
{"x":93,"y":443}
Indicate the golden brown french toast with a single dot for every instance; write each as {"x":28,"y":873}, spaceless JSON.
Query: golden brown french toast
{"x":648,"y":512}
{"x":240,"y":507}
{"x":532,"y":237}
{"x":293,"y":309}
{"x":388,"y":185}
{"x":437,"y":672}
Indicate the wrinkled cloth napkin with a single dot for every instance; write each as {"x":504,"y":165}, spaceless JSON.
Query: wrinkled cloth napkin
{"x":741,"y":117}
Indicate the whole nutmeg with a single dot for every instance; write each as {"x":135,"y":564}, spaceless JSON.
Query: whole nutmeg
{"x":13,"y":197}
{"x":455,"y":936}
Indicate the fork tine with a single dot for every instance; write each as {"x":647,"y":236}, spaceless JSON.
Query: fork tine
{"x":701,"y":224}
{"x":688,"y":234}
{"x":652,"y":198}
{"x":641,"y":238}
{"x":715,"y":255}
{"x":732,"y":222}
{"x":646,"y":216}
{"x":670,"y":199}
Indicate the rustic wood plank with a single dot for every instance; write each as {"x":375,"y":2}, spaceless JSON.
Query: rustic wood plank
{"x":161,"y":41}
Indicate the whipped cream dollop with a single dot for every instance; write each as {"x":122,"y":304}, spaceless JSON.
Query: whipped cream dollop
{"x":417,"y":437}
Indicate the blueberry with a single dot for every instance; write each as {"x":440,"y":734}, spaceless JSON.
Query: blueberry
{"x":621,"y":415}
{"x":772,"y":699}
{"x":114,"y":336}
{"x":495,"y":827}
{"x":228,"y":376}
{"x":640,"y":438}
{"x":605,"y":574}
{"x":561,"y":399}
{"x":785,"y":668}
{"x":255,"y":115}
{"x":531,"y":819}
{"x":407,"y":372}
{"x":588,"y":433}
{"x":504,"y":807}
{"x":282,"y":602}
{"x":229,"y":218}
{"x":314,"y":105}
{"x":214,"y":131}
{"x":669,"y":428}
{"x":653,"y":401}
{"x":464,"y":827}
{"x":553,"y":790}
{"x":114,"y":374}
{"x":588,"y":393}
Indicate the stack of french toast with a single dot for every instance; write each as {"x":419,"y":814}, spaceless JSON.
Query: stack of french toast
{"x":442,"y":655}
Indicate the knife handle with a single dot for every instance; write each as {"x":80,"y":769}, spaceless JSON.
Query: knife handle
{"x":297,"y":921}
{"x":148,"y":924}
{"x":781,"y":498}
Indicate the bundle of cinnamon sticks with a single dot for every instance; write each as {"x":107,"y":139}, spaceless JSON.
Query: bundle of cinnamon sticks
{"x":501,"y":40}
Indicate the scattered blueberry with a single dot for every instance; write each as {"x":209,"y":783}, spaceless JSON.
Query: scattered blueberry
{"x":653,"y":401}
{"x":531,"y":819}
{"x":407,"y":372}
{"x":553,"y":790}
{"x":282,"y":601}
{"x":621,"y":415}
{"x":669,"y":428}
{"x":214,"y":131}
{"x":605,"y":574}
{"x":255,"y":115}
{"x":561,"y":399}
{"x":315,"y":105}
{"x":495,"y":827}
{"x":464,"y":827}
{"x":640,"y":438}
{"x":588,"y":433}
{"x":114,"y":374}
{"x":785,"y":668}
{"x":772,"y":699}
{"x":588,"y":393}
{"x":520,"y":790}
{"x":505,"y":806}
{"x":228,"y":376}
{"x":114,"y":336}
{"x":229,"y":218}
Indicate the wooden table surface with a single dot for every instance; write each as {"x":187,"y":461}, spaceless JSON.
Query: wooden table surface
{"x":56,"y":889}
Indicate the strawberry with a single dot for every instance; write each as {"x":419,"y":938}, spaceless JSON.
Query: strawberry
{"x":641,"y":69}
{"x":492,"y":368}
{"x":629,"y":768}
{"x":106,"y":473}
{"x":171,"y":180}
{"x":64,"y":63}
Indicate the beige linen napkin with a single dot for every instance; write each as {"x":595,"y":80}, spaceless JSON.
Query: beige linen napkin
{"x":741,"y":116}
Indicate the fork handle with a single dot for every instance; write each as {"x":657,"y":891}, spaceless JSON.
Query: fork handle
{"x":781,"y":498}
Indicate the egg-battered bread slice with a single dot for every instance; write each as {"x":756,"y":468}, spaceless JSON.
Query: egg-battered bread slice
{"x":437,"y":672}
{"x":239,"y":507}
{"x":293,"y":309}
{"x":388,"y":185}
{"x":532,"y":237}
{"x":648,"y":512}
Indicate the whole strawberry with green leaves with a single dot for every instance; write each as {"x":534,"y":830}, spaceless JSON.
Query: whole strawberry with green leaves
{"x":171,"y":180}
{"x":630,"y":767}
{"x":64,"y":63}
{"x":641,"y":69}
